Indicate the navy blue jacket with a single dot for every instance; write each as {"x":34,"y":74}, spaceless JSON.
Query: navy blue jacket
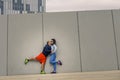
{"x":47,"y":50}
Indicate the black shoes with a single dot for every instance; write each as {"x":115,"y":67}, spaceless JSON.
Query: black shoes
{"x":53,"y":72}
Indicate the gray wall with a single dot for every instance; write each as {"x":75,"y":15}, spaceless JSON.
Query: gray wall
{"x":63,"y":27}
{"x":87,"y":41}
{"x":97,"y":41}
{"x":3,"y":45}
{"x":116,"y":17}
{"x":24,"y":41}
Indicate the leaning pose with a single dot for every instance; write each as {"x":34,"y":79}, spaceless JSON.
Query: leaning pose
{"x":41,"y":57}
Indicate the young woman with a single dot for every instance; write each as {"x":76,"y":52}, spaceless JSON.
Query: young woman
{"x":53,"y":56}
{"x":41,"y":57}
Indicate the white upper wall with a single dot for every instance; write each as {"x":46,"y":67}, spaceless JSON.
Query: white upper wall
{"x":80,"y":5}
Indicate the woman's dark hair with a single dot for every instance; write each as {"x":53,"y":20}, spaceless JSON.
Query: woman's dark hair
{"x":54,"y":41}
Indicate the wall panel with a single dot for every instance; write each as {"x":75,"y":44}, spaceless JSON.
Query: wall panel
{"x":24,"y":41}
{"x":63,"y":27}
{"x":3,"y":45}
{"x":97,"y":41}
{"x":116,"y":17}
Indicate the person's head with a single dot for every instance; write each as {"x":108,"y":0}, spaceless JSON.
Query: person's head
{"x":53,"y":41}
{"x":49,"y":43}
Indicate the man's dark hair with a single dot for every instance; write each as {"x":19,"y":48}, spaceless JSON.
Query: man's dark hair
{"x":54,"y":41}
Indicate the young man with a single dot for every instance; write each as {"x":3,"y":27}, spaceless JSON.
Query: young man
{"x":41,"y":57}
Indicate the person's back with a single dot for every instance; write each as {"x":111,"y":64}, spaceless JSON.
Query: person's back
{"x":47,"y":50}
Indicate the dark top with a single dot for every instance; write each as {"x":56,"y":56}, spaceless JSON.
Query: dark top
{"x":47,"y":50}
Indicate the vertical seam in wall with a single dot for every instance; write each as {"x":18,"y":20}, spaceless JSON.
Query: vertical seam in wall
{"x":79,"y":40}
{"x":7,"y":46}
{"x":42,"y":31}
{"x":115,"y":39}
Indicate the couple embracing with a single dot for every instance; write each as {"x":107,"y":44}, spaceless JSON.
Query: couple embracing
{"x":49,"y":49}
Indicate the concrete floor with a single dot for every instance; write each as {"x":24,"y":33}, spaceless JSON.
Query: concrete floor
{"x":102,"y":75}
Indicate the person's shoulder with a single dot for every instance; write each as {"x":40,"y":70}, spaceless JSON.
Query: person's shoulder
{"x":55,"y":45}
{"x":46,"y":45}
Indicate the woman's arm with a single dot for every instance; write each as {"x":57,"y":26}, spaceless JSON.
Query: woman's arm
{"x":54,"y":49}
